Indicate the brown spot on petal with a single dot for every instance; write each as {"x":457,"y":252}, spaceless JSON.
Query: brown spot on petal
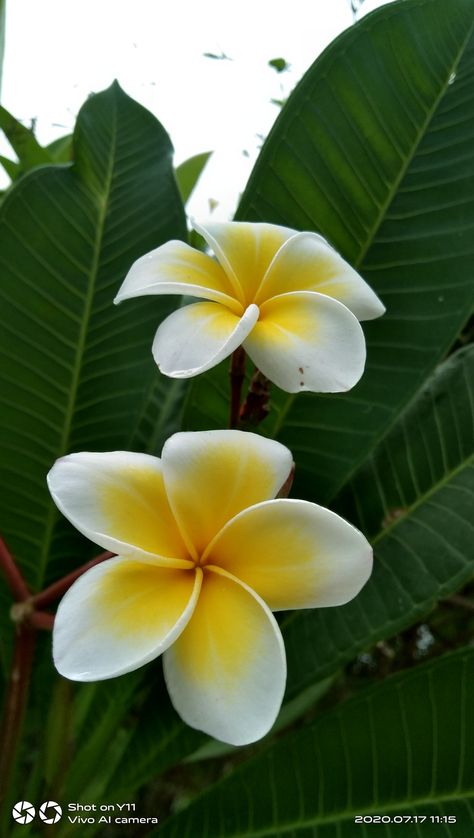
{"x":301,"y":370}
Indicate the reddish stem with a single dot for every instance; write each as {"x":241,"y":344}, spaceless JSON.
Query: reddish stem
{"x":15,"y":580}
{"x":15,"y":704}
{"x":256,"y":406}
{"x":57,"y":589}
{"x":28,"y":615}
{"x":237,"y":376}
{"x":41,"y":620}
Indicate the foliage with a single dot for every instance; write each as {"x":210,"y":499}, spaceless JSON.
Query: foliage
{"x":189,"y":172}
{"x":392,"y":751}
{"x":373,"y":150}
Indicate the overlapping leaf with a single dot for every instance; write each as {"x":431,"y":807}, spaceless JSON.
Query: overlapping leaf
{"x":416,"y":494}
{"x":189,"y":172}
{"x":77,"y":372}
{"x":23,"y":141}
{"x":374,"y":150}
{"x":405,"y":747}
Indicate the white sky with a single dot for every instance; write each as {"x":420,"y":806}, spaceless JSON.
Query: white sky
{"x":58,"y":51}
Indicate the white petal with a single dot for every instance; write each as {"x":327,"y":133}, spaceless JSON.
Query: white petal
{"x":176,"y":268}
{"x":199,"y":336}
{"x":307,"y":341}
{"x":226,"y":672}
{"x":120,"y":615}
{"x":118,"y":500}
{"x":245,"y":250}
{"x":294,"y":554}
{"x":307,"y":262}
{"x":210,"y":476}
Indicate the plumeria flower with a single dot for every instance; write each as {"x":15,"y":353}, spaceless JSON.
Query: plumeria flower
{"x":205,"y":552}
{"x":288,"y":298}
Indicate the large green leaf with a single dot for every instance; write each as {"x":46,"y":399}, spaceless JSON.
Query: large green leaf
{"x":405,"y":747}
{"x":415,"y":496}
{"x":374,"y":150}
{"x":76,"y":371}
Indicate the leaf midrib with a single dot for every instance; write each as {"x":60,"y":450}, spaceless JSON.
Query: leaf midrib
{"x":415,"y":146}
{"x":447,"y":478}
{"x":104,"y":200}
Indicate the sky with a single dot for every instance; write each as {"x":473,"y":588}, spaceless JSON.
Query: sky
{"x":56,"y":56}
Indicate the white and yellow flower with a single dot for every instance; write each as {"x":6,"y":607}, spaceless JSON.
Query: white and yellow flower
{"x":288,"y":298}
{"x":205,"y":552}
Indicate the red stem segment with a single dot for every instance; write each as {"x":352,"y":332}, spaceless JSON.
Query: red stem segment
{"x":15,"y":580}
{"x":28,"y":614}
{"x":237,"y":376}
{"x":256,"y":406}
{"x":15,"y":705}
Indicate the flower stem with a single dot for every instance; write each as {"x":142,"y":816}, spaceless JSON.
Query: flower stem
{"x":15,"y":704}
{"x":256,"y":406}
{"x":15,"y":580}
{"x":28,"y":615}
{"x":237,"y":376}
{"x":57,"y":589}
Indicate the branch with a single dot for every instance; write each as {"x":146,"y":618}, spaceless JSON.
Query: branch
{"x":14,"y":578}
{"x":256,"y":406}
{"x":15,"y":704}
{"x":237,"y":376}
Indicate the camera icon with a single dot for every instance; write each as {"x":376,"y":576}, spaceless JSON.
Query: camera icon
{"x":23,"y":812}
{"x":50,"y":812}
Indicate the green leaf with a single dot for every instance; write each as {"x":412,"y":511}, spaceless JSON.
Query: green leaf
{"x":23,"y":142}
{"x":76,"y":371}
{"x":12,"y":168}
{"x":189,"y":172}
{"x":61,"y":149}
{"x":405,"y":747}
{"x":159,"y":739}
{"x":100,"y":710}
{"x":416,"y":494}
{"x":374,"y":150}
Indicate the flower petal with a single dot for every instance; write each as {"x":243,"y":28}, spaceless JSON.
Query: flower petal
{"x":120,"y":615}
{"x":210,"y":476}
{"x":294,"y":554}
{"x":199,"y":336}
{"x":307,"y":341}
{"x":308,"y":263}
{"x":118,"y":500}
{"x":245,"y":250}
{"x":176,"y":268}
{"x":226,"y":672}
